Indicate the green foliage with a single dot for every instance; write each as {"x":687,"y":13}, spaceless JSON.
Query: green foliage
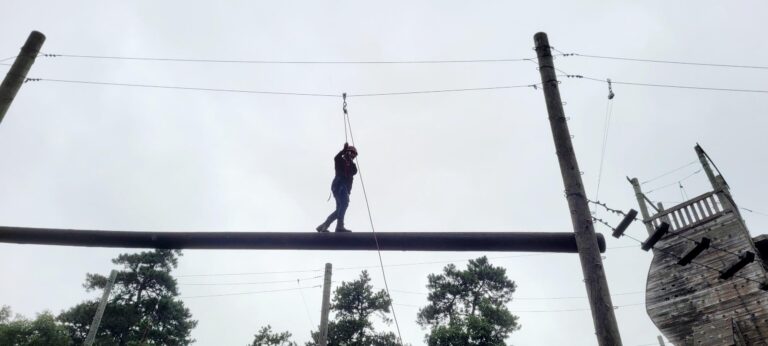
{"x":142,"y":308}
{"x":5,"y":313}
{"x":266,"y":337}
{"x":468,"y":307}
{"x":42,"y":331}
{"x":355,"y":304}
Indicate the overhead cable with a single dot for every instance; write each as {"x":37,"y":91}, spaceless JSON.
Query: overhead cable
{"x":534,"y":298}
{"x":671,"y":85}
{"x":754,"y":211}
{"x":664,"y":61}
{"x":372,"y":266}
{"x":535,"y":85}
{"x":245,"y":283}
{"x":669,"y":172}
{"x":336,"y":95}
{"x":615,"y":307}
{"x":179,"y":87}
{"x":306,"y":62}
{"x":676,"y":182}
{"x":251,"y":292}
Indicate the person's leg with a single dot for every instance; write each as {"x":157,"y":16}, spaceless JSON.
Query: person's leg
{"x":332,"y":217}
{"x":334,"y":190}
{"x":342,"y":202}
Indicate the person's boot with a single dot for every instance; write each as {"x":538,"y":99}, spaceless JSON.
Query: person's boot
{"x":323,"y":228}
{"x":340,"y":227}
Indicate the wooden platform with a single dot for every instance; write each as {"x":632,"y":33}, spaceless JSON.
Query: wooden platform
{"x":690,"y":304}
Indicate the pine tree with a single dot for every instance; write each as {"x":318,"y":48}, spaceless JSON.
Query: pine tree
{"x":468,"y":307}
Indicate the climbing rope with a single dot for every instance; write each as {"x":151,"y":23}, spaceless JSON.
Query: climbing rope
{"x":606,"y":127}
{"x":345,"y":117}
{"x":348,"y":124}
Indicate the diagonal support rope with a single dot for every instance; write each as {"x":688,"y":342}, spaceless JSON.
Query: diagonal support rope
{"x":370,"y":219}
{"x":306,"y":308}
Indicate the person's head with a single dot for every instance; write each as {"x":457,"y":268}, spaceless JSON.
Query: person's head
{"x":351,"y":152}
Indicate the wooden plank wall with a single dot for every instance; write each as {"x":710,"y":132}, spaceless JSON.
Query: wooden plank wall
{"x":690,"y":304}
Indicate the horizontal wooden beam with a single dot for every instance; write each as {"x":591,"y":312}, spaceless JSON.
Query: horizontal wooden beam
{"x":388,"y":241}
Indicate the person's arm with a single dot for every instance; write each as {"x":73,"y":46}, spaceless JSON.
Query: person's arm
{"x":338,"y":157}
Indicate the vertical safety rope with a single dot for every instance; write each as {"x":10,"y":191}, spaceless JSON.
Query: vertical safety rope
{"x":344,"y":117}
{"x":370,"y":219}
{"x":608,"y":113}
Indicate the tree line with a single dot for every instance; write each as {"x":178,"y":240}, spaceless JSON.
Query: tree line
{"x":464,"y":307}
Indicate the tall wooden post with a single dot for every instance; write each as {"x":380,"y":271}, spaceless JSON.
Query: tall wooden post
{"x":599,"y":296}
{"x":641,"y":202}
{"x":705,"y":166}
{"x":100,"y":311}
{"x":717,"y":181}
{"x":326,"y":306}
{"x":661,"y":340}
{"x":18,"y":72}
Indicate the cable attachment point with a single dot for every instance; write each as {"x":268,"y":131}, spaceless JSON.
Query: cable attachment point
{"x":344,"y":105}
{"x":610,"y":90}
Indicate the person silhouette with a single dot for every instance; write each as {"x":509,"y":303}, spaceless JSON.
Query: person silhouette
{"x":341,"y":187}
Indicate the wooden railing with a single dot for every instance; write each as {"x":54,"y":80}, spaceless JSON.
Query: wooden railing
{"x":695,"y":211}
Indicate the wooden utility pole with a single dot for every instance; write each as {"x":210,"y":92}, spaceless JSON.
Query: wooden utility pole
{"x":18,"y":72}
{"x":100,"y":311}
{"x":606,"y":328}
{"x":661,"y":340}
{"x":326,"y":306}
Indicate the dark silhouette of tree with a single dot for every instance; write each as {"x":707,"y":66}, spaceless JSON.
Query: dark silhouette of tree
{"x":354,"y":305}
{"x":143,"y":307}
{"x":266,"y":337}
{"x":42,"y":331}
{"x":468,"y":307}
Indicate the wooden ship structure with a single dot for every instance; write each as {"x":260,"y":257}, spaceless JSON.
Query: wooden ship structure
{"x":707,"y":283}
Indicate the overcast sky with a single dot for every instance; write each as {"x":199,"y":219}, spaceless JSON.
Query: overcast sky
{"x":120,"y":158}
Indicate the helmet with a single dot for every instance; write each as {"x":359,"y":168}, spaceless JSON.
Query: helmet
{"x":352,"y":149}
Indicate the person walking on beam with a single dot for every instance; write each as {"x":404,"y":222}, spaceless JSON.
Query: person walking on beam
{"x":341,"y":187}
